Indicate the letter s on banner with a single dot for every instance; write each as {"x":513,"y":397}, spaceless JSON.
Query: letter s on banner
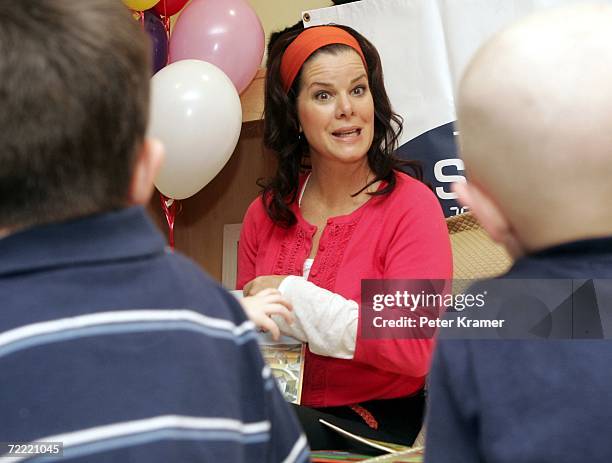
{"x":444,"y":178}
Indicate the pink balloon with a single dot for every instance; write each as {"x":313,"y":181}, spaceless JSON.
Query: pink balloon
{"x":226,"y":33}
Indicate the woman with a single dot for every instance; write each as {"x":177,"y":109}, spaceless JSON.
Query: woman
{"x":338,"y":211}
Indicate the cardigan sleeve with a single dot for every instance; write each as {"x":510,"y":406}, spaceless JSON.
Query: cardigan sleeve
{"x":418,"y":247}
{"x":248,"y":244}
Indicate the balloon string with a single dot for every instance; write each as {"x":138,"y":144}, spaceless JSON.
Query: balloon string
{"x":166,"y":22}
{"x":169,"y":206}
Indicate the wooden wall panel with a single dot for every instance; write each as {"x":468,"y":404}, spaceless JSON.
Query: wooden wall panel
{"x":252,"y":99}
{"x":199,"y":225}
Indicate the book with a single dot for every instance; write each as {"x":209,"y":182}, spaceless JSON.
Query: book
{"x":285,"y":358}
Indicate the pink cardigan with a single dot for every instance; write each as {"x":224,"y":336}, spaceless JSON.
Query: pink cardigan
{"x":401,"y":235}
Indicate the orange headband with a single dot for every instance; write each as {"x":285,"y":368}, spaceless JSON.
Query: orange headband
{"x":309,"y":41}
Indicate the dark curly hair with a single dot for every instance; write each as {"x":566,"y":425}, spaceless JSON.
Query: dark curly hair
{"x":281,"y":128}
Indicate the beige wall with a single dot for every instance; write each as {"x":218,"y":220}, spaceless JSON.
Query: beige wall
{"x":278,"y":14}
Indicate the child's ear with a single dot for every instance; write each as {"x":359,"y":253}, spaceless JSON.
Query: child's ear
{"x":489,"y":215}
{"x":148,"y":161}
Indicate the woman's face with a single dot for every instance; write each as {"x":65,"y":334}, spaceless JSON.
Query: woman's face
{"x":335,"y":107}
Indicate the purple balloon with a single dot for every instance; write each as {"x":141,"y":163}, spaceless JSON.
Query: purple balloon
{"x":159,"y":39}
{"x":226,"y":33}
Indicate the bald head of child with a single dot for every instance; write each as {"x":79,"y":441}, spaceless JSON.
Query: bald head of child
{"x":535,"y":119}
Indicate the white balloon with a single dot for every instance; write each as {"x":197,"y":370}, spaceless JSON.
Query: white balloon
{"x":196,"y":113}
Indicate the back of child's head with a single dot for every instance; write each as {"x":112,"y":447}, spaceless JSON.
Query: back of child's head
{"x":535,"y":121}
{"x":74,"y":86}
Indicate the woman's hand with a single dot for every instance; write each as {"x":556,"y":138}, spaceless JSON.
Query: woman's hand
{"x":262,"y":282}
{"x":261,"y":307}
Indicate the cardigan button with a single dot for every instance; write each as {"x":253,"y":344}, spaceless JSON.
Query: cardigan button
{"x":321,"y":247}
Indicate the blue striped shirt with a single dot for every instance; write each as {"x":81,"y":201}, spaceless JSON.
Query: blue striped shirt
{"x":124,"y":351}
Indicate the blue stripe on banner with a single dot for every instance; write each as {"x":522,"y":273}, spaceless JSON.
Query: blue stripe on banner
{"x":121,"y":328}
{"x":157,"y":435}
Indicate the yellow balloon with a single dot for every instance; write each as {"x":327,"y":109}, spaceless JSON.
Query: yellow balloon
{"x":140,"y":5}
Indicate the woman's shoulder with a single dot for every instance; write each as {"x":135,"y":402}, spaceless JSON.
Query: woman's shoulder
{"x":256,"y":208}
{"x":256,"y":216}
{"x":413,"y":193}
{"x":407,"y":182}
{"x":412,"y":204}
